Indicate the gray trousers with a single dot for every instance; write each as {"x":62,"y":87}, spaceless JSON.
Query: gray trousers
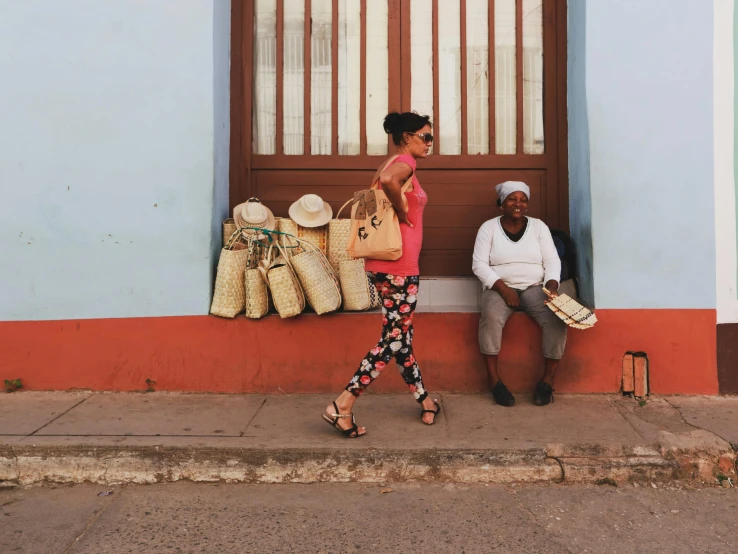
{"x":495,"y":313}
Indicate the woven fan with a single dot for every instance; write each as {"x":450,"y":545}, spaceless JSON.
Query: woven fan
{"x":570,"y":311}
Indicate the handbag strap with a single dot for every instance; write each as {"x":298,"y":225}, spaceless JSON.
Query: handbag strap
{"x":389,"y":162}
{"x":403,"y":190}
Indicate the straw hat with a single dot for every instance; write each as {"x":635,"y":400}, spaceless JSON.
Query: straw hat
{"x":311,"y":211}
{"x":252,"y":214}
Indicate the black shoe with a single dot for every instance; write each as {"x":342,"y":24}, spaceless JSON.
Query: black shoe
{"x":544,"y":394}
{"x":502,"y":395}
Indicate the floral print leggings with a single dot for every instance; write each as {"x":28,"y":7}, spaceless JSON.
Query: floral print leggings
{"x":399,"y":298}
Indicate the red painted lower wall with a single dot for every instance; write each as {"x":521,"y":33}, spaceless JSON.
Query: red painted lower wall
{"x":314,"y":353}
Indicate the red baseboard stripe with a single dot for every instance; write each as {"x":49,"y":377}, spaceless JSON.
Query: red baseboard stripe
{"x":320,"y":353}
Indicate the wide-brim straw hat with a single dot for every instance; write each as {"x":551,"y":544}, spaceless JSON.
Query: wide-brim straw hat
{"x":311,"y":211}
{"x":253,"y":215}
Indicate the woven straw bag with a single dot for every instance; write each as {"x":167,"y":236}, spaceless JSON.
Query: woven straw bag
{"x":318,"y":236}
{"x":355,"y":286}
{"x":229,"y":227}
{"x":338,"y":237}
{"x":288,"y":297}
{"x":317,"y":277}
{"x":256,"y":288}
{"x":256,"y":294}
{"x":229,"y":296}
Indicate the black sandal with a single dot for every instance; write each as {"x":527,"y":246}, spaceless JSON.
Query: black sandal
{"x":332,"y":419}
{"x":434,"y":412}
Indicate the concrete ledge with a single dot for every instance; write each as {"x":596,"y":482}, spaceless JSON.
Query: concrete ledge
{"x":113,"y":465}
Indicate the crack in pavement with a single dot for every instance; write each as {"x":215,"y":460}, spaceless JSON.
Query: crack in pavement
{"x":681,"y":416}
{"x":253,"y":417}
{"x":61,"y":414}
{"x":90,"y":523}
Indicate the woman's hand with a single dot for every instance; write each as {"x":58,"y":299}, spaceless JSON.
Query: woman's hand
{"x":553,"y":287}
{"x":510,"y":297}
{"x":404,"y":219}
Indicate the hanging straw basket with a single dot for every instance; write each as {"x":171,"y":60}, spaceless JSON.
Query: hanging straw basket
{"x":359,"y":293}
{"x":288,"y":297}
{"x":338,"y":237}
{"x":318,"y":236}
{"x":229,"y":296}
{"x":317,"y":277}
{"x":229,"y":227}
{"x":256,"y":287}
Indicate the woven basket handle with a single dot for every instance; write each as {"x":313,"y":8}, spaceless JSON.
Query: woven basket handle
{"x":282,"y":250}
{"x":264,"y":266}
{"x":342,"y":207}
{"x":233,"y":239}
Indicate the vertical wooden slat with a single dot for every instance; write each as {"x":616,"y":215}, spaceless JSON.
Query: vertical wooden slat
{"x":280,"y":78}
{"x":362,"y":78}
{"x":550,"y":139}
{"x":394,"y":97}
{"x":559,"y":107}
{"x":334,"y":74}
{"x":238,"y":114}
{"x":436,"y":94}
{"x":247,"y":55}
{"x":405,"y":57}
{"x":557,"y":209}
{"x":464,"y":77}
{"x":519,"y":75}
{"x":492,"y":75}
{"x":308,"y":74}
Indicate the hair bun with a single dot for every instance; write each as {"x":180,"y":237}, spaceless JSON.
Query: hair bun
{"x":392,"y":122}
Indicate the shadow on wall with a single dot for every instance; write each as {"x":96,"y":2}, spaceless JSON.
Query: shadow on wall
{"x":580,"y":198}
{"x":221,"y":117}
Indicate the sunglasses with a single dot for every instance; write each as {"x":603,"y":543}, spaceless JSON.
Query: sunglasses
{"x":425,"y":137}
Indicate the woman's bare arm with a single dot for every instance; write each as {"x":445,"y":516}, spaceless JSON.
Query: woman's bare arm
{"x":392,"y":180}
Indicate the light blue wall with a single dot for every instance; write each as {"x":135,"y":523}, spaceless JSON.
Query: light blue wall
{"x":648,"y":100}
{"x":107,"y":164}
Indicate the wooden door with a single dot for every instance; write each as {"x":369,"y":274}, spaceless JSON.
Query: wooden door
{"x":309,"y":94}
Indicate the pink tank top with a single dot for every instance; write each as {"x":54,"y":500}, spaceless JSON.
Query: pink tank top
{"x":412,"y":237}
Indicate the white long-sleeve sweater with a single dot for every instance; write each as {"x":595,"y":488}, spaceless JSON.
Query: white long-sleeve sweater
{"x":532,"y":260}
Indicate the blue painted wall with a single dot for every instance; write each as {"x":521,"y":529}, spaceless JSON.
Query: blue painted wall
{"x":107,"y":165}
{"x":647,"y":101}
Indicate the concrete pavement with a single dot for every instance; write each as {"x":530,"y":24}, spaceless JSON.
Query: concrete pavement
{"x":155,"y":437}
{"x":219,"y":518}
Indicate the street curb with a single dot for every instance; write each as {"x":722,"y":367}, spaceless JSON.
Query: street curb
{"x":699,"y":456}
{"x":110,"y":464}
{"x":151,"y":464}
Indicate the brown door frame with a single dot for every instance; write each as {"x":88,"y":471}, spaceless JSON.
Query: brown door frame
{"x":554,"y":161}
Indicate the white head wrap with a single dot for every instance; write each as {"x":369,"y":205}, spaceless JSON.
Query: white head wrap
{"x":508,"y":187}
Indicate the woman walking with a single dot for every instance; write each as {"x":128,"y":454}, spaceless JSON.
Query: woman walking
{"x":397,"y":281}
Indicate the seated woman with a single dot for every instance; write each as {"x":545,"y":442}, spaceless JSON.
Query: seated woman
{"x":513,"y":256}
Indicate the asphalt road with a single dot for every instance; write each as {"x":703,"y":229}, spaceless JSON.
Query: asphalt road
{"x":407,"y":517}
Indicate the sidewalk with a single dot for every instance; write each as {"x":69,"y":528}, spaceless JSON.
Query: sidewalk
{"x":157,"y":437}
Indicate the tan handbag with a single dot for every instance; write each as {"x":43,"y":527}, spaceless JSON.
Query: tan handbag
{"x":317,"y":277}
{"x":229,"y":295}
{"x":375,"y":228}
